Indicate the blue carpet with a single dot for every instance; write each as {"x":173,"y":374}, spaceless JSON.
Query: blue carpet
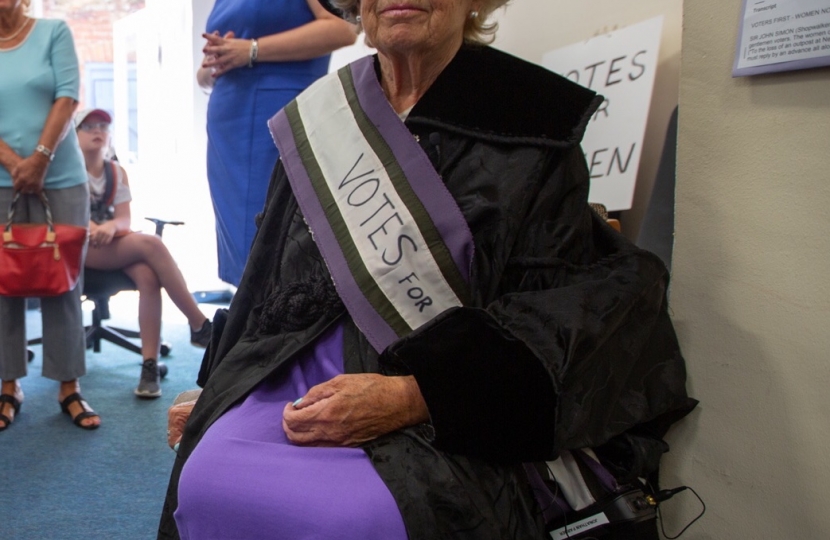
{"x":64,"y":483}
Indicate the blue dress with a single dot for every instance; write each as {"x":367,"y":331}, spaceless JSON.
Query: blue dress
{"x":241,"y":153}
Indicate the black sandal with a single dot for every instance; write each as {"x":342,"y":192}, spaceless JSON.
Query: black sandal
{"x":81,"y":416}
{"x":15,"y":403}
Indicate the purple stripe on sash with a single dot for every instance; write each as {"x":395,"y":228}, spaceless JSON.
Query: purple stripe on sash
{"x":424,"y":179}
{"x":379,"y":334}
{"x":603,"y":475}
{"x":553,"y":505}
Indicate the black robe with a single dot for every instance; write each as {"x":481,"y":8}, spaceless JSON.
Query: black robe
{"x":565,"y":344}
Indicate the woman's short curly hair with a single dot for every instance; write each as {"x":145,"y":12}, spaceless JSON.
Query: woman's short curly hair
{"x":476,"y":29}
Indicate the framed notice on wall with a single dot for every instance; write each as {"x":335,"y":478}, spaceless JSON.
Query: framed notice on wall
{"x":782,"y":35}
{"x":620,"y":66}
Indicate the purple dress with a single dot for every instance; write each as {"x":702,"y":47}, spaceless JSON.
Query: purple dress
{"x":245,"y":480}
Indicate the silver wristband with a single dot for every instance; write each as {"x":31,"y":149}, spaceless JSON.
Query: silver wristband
{"x":45,"y":151}
{"x":252,"y":54}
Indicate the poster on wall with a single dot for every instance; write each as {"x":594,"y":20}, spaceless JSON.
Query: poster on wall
{"x":782,"y":35}
{"x":621,"y":67}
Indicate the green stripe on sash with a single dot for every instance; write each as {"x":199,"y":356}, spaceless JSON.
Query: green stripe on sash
{"x":430,"y":233}
{"x":358,"y":269}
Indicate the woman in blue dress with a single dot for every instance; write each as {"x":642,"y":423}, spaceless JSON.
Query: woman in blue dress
{"x":259,"y":55}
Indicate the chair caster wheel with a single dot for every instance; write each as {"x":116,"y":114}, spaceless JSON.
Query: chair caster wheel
{"x":30,"y":355}
{"x":165,"y":349}
{"x":162,"y":370}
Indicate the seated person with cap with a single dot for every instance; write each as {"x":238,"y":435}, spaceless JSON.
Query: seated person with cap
{"x":143,"y":257}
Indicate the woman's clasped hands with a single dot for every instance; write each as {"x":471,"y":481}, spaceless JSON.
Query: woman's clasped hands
{"x":225,"y":52}
{"x":28,"y":173}
{"x":347,"y":410}
{"x":101,"y":235}
{"x":351,"y":409}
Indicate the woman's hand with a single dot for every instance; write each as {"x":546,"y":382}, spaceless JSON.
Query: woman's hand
{"x":352,"y":409}
{"x":177,"y":416}
{"x":28,"y":174}
{"x":224,"y":53}
{"x":101,"y":235}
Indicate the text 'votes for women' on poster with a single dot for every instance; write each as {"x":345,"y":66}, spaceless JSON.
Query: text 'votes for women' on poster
{"x":782,"y":35}
{"x":621,"y":67}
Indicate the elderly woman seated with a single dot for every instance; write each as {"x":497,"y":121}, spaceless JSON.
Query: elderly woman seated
{"x":431,"y":310}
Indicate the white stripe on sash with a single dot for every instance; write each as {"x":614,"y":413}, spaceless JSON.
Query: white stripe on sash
{"x":385,"y":233}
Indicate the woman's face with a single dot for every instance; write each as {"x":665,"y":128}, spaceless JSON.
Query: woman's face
{"x":93,"y":133}
{"x":412,"y":26}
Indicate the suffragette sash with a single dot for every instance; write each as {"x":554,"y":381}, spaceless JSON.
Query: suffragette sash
{"x":396,"y":244}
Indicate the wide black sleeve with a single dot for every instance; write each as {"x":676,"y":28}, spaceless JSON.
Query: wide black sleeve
{"x":572,"y":346}
{"x":220,"y":388}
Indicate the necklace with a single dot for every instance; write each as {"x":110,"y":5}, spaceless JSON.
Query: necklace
{"x":14,"y":35}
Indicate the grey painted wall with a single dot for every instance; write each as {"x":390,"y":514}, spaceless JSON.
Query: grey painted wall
{"x":750,"y":296}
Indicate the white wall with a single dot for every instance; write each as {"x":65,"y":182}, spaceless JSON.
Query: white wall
{"x":36,"y":8}
{"x":530,"y":28}
{"x":169,"y":179}
{"x":751,"y":295}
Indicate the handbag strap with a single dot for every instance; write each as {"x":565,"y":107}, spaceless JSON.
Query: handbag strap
{"x":50,"y":233}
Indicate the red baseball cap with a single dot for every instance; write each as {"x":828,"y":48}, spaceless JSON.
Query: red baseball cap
{"x":82,"y":115}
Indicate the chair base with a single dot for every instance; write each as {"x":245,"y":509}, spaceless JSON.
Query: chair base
{"x":118,"y":336}
{"x":94,"y":335}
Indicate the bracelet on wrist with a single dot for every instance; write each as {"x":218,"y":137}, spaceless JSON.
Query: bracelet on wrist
{"x":45,"y":151}
{"x":252,"y":54}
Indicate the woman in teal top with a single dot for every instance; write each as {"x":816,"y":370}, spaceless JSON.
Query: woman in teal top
{"x":39,"y":152}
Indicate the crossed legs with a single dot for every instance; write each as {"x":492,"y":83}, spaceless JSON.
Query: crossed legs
{"x":150,"y":265}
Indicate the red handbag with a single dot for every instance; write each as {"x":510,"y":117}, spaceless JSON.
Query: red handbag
{"x":40,"y":259}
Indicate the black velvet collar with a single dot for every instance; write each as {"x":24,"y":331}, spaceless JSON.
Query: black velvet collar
{"x":490,"y":94}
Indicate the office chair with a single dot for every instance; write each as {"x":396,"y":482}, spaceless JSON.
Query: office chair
{"x":99,"y":287}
